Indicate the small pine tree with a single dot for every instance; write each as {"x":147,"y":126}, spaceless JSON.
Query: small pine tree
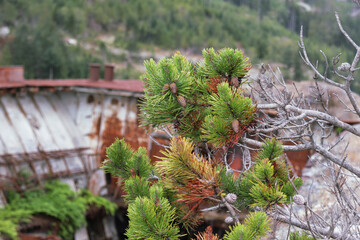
{"x":208,"y":112}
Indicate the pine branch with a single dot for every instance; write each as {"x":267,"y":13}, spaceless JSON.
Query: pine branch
{"x":256,"y":225}
{"x":152,"y":218}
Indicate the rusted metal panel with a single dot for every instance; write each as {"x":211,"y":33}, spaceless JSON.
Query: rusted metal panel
{"x":112,"y":123}
{"x":88,"y":117}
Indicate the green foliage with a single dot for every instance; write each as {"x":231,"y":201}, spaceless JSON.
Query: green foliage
{"x":265,"y":196}
{"x":136,"y":187}
{"x":161,"y":105}
{"x":202,"y":105}
{"x":56,"y":200}
{"x":44,"y":54}
{"x":226,"y":63}
{"x":266,"y":183}
{"x":191,"y":178}
{"x":145,"y":185}
{"x":152,"y":218}
{"x":288,"y":188}
{"x":226,"y":106}
{"x":9,"y":219}
{"x":180,"y":156}
{"x":123,"y":162}
{"x":208,"y":100}
{"x":300,"y":236}
{"x":271,"y":150}
{"x":256,"y":225}
{"x":141,"y":187}
{"x":266,"y":29}
{"x":88,"y":199}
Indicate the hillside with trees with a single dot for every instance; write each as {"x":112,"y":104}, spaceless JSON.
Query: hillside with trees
{"x":266,"y":30}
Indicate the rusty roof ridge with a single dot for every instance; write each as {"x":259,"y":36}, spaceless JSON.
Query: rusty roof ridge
{"x":125,"y":85}
{"x":115,"y":92}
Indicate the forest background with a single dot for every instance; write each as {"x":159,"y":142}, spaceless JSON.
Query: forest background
{"x":58,"y":39}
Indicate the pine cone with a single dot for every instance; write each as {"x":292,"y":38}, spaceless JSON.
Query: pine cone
{"x":173,"y":88}
{"x":165,"y":88}
{"x":235,"y":126}
{"x":181,"y":100}
{"x":230,"y":198}
{"x":299,"y":200}
{"x":235,"y":82}
{"x":344,"y":67}
{"x":229,"y":220}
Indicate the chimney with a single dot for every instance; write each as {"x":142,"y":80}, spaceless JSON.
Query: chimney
{"x":11,"y":73}
{"x":94,"y":72}
{"x":109,"y":72}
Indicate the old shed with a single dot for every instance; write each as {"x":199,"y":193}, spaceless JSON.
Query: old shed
{"x":61,"y":128}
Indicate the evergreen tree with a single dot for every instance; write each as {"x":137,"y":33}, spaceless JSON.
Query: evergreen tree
{"x":208,"y":112}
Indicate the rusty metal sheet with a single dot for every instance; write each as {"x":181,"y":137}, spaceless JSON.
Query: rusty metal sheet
{"x":113,"y":122}
{"x":88,"y":117}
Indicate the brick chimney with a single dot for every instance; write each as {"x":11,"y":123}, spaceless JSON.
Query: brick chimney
{"x":11,"y":73}
{"x":109,"y":72}
{"x":94,"y":72}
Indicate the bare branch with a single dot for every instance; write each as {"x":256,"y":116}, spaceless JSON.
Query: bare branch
{"x":345,"y":33}
{"x":308,"y":62}
{"x":304,"y":226}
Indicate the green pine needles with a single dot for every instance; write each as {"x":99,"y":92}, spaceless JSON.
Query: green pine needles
{"x":256,"y":225}
{"x":300,"y":236}
{"x":266,"y":184}
{"x":152,"y":218}
{"x":207,"y":111}
{"x":203,"y":103}
{"x":125,"y":162}
{"x":231,"y":114}
{"x":170,"y":194}
{"x":227,"y":63}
